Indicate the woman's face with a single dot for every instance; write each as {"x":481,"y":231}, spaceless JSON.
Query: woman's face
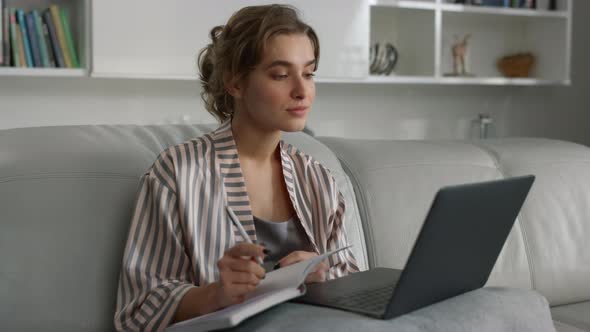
{"x":279,"y":92}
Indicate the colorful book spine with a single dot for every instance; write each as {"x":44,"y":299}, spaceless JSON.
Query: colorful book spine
{"x":60,"y":35}
{"x":6,"y":34}
{"x":68,"y":34}
{"x":16,"y":55}
{"x":20,"y":16}
{"x":33,"y":40}
{"x":57,"y":52}
{"x":41,"y":38}
{"x":21,"y":45}
{"x":47,"y":38}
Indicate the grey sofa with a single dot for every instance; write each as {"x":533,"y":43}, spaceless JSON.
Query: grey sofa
{"x":66,"y":195}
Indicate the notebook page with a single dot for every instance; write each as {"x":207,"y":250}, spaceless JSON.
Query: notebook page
{"x":278,"y":286}
{"x":291,"y":276}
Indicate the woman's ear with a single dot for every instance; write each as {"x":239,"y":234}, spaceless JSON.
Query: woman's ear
{"x":233,"y":85}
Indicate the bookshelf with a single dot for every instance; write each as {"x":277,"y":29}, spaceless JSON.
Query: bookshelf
{"x":423,"y":31}
{"x":78,"y":13}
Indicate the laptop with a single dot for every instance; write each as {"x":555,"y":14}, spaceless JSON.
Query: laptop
{"x":455,"y":251}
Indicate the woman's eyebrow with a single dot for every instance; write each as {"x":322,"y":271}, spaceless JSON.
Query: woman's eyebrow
{"x":285,"y":63}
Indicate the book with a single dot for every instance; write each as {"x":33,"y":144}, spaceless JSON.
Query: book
{"x":59,"y":60}
{"x":14,"y":38}
{"x":21,"y":47}
{"x":69,"y":41}
{"x":41,"y":38}
{"x":279,"y":286}
{"x":22,"y":23}
{"x":492,"y":3}
{"x":50,"y":54}
{"x":61,"y":38}
{"x":17,"y":41}
{"x":33,"y":40}
{"x":7,"y":39}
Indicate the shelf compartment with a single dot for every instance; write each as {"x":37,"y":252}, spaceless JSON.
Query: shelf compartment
{"x":493,"y":37}
{"x":411,"y":32}
{"x":78,"y":13}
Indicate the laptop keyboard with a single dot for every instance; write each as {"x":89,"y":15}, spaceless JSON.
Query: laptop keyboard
{"x":373,"y":300}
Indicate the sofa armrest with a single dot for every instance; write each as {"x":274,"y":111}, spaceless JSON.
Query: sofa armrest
{"x":488,"y":309}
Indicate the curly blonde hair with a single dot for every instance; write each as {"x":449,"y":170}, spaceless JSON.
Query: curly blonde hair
{"x":237,"y":48}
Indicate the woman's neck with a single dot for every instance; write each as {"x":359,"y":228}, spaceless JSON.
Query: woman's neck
{"x":253,"y":142}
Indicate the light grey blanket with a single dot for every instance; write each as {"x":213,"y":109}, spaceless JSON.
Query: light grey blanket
{"x":491,"y":309}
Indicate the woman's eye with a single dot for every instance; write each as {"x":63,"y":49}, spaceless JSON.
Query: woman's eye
{"x":309,"y":75}
{"x":279,"y":77}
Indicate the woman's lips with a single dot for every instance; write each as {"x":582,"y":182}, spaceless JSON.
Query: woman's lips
{"x":298,"y":111}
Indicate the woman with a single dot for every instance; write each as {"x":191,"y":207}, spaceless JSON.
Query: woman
{"x":184,"y":257}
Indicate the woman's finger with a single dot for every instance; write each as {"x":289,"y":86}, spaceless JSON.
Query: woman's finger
{"x":319,"y":276}
{"x":322,"y":266}
{"x":246,"y":249}
{"x":296,"y":257}
{"x":244,"y":265}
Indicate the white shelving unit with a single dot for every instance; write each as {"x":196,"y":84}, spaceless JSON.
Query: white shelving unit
{"x":421,"y":30}
{"x":78,"y":12}
{"x":424,"y":30}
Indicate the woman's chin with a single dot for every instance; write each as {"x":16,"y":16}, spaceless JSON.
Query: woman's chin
{"x":293,"y":126}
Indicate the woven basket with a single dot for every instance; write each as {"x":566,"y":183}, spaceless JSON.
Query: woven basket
{"x":518,"y":65}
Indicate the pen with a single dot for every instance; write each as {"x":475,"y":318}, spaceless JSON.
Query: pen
{"x":241,"y":229}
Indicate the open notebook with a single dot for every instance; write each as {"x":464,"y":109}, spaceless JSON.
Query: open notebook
{"x":279,"y":286}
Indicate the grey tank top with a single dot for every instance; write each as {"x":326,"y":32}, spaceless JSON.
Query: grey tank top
{"x":281,"y":238}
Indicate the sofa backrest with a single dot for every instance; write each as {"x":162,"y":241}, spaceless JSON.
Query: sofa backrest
{"x":66,"y":197}
{"x":395,"y":182}
{"x":555,"y":220}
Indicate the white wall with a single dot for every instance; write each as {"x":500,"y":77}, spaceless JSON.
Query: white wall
{"x":363,"y":111}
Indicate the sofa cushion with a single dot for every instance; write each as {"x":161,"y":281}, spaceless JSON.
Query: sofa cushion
{"x":574,"y":315}
{"x":397,"y":181}
{"x":66,"y":196}
{"x":555,"y":219}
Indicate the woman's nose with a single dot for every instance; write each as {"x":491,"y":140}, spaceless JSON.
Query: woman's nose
{"x":299,"y":89}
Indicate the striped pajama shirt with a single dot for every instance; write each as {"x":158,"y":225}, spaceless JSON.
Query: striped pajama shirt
{"x":180,"y":228}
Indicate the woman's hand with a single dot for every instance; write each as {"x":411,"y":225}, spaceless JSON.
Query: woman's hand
{"x":318,"y":274}
{"x":239,"y":272}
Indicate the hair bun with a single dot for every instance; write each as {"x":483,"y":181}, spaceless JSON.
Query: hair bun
{"x":216,"y":33}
